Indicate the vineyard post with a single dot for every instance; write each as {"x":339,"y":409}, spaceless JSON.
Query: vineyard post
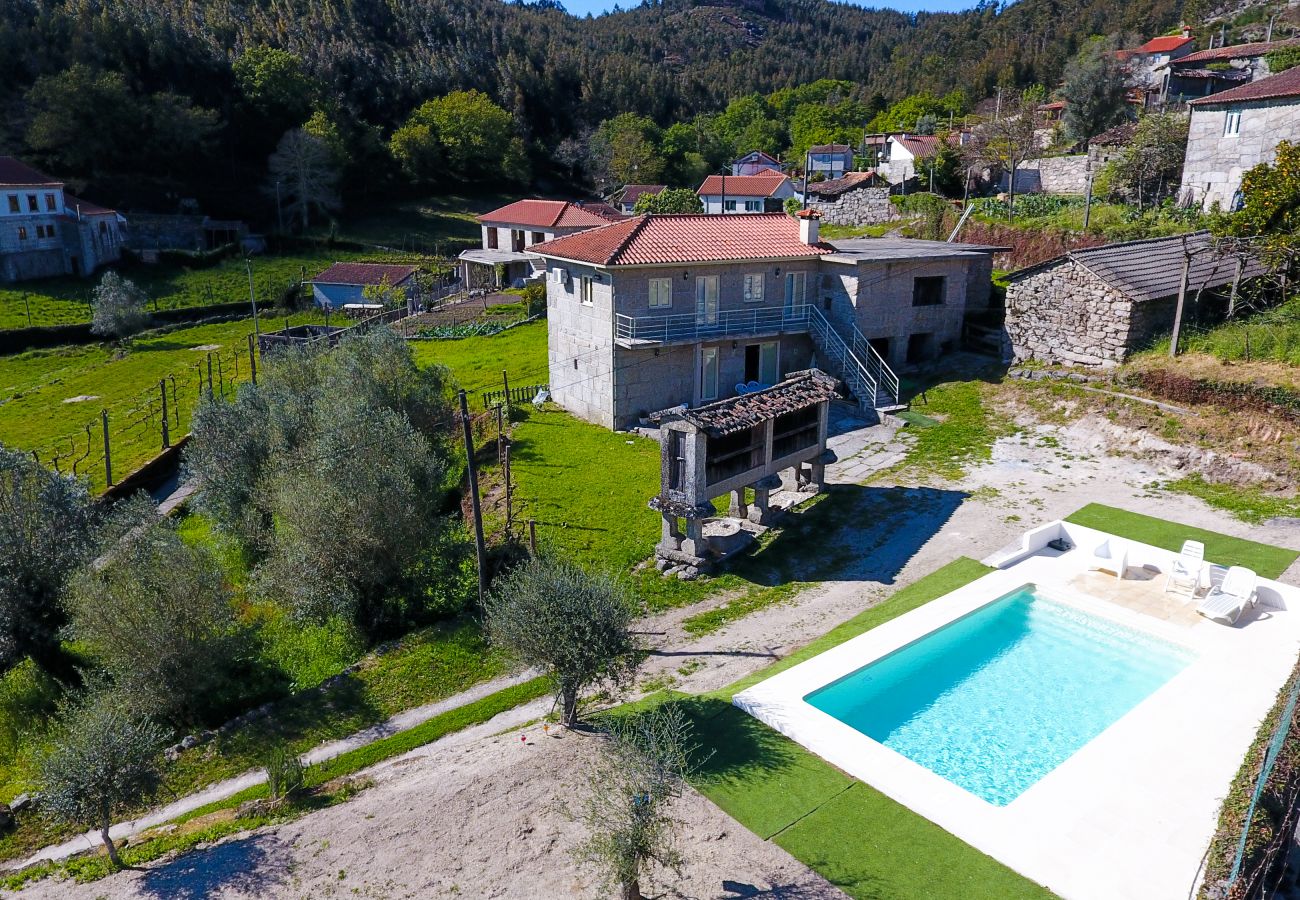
{"x":532,"y":536}
{"x":166,"y":434}
{"x":252,"y":358}
{"x":509,"y":495}
{"x":505,"y":381}
{"x":209,"y":374}
{"x":480,"y":550}
{"x":500,"y":440}
{"x":28,"y":304}
{"x":108,"y":457}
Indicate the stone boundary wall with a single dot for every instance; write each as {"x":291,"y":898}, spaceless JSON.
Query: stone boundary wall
{"x":861,"y":206}
{"x":1065,"y":314}
{"x":1052,"y":175}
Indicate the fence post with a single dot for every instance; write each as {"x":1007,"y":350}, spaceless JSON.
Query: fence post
{"x":210,"y":375}
{"x":176,"y":406}
{"x":108,"y":457}
{"x":166,"y":435}
{"x":252,"y":359}
{"x":532,"y":536}
{"x":505,"y":382}
{"x":479,"y":549}
{"x":500,"y":441}
{"x":509,"y":501}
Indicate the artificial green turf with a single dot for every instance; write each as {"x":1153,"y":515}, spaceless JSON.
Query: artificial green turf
{"x":1268,"y":561}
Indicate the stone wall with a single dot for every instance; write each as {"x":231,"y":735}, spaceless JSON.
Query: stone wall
{"x":1215,"y":162}
{"x":1052,"y":175}
{"x":861,"y":206}
{"x":1064,"y":314}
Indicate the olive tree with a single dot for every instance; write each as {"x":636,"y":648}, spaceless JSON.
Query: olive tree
{"x":640,"y":770}
{"x":574,"y":626}
{"x":104,"y":761}
{"x":156,"y":614}
{"x":117,"y":307}
{"x":45,"y":534}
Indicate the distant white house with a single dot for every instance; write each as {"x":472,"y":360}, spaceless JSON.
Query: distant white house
{"x":901,"y":153}
{"x":831,"y":160}
{"x":510,"y":230}
{"x":1234,"y":131}
{"x":344,"y":284}
{"x":745,"y":193}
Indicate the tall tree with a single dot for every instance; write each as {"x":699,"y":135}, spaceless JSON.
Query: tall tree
{"x":45,"y":535}
{"x":275,"y":84}
{"x":630,"y":145}
{"x":476,"y":135}
{"x":1096,"y":81}
{"x":307,"y":174}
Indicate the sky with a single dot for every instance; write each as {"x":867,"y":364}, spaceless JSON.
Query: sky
{"x":596,"y":7}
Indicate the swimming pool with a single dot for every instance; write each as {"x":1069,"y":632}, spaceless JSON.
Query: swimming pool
{"x":995,"y":700}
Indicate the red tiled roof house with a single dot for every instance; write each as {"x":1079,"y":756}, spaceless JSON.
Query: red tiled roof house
{"x":345,"y":284}
{"x":662,"y":310}
{"x":745,"y":193}
{"x":1235,"y":130}
{"x":510,"y":230}
{"x":45,"y":231}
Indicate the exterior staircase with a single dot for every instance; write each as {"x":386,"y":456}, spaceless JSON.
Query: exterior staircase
{"x":855,"y":362}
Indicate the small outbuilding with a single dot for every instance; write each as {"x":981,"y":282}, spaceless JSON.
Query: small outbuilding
{"x":1095,"y":307}
{"x":344,"y":284}
{"x":855,"y":198}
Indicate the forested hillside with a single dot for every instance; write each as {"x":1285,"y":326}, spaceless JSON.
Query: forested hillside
{"x":176,"y":110}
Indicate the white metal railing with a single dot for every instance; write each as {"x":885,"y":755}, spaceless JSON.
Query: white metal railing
{"x":722,"y":323}
{"x":875,"y":363}
{"x":859,"y":366}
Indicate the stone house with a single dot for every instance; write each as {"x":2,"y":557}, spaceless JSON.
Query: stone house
{"x":344,"y":284}
{"x":903,"y":154}
{"x":855,"y":198}
{"x":45,"y":231}
{"x":756,"y":162}
{"x":745,"y":193}
{"x":1147,"y":63}
{"x":1207,"y":72}
{"x":510,"y":230}
{"x":1104,"y":147}
{"x":658,"y":311}
{"x":1097,"y":306}
{"x":1234,"y":131}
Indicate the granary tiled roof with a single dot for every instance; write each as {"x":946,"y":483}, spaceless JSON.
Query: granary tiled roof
{"x":1284,"y":84}
{"x":552,"y":214}
{"x":742,"y":185}
{"x":833,"y":187}
{"x":796,"y":391}
{"x":830,"y":148}
{"x":632,"y":192}
{"x":364,"y":273}
{"x":919,"y":145}
{"x":1152,"y":269}
{"x":1235,"y":51}
{"x":684,"y":238}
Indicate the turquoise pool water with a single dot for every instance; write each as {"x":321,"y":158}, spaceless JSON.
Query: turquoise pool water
{"x":997,"y":699}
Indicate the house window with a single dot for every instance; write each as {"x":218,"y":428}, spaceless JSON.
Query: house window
{"x":22,"y":233}
{"x":661,"y":293}
{"x":706,"y":300}
{"x":1232,"y":123}
{"x":491,"y":237}
{"x":728,"y":205}
{"x":754,"y":287}
{"x":32,"y":205}
{"x":928,"y":291}
{"x":709,"y":373}
{"x":762,"y":362}
{"x":539,"y":236}
{"x":50,"y":203}
{"x":13,"y":203}
{"x":585,"y":294}
{"x":753,"y":206}
{"x":40,"y":232}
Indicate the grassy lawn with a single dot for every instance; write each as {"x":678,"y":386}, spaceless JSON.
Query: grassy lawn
{"x":477,"y":362}
{"x":953,"y":429}
{"x":1268,"y":561}
{"x":1249,"y":503}
{"x":443,"y":225}
{"x":63,"y":301}
{"x":40,"y":391}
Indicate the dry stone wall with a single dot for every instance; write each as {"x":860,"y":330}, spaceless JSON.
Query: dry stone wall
{"x":863,"y":206}
{"x":1064,"y":314}
{"x":1052,"y":175}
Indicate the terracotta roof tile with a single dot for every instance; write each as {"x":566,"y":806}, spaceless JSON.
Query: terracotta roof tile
{"x":1285,"y":84}
{"x":632,"y":191}
{"x":919,"y":145}
{"x":364,"y":273}
{"x":696,"y":237}
{"x":742,"y":185}
{"x":549,"y":214}
{"x":1235,"y":51}
{"x":1164,"y":44}
{"x":830,"y":148}
{"x":1116,"y":136}
{"x":16,"y":172}
{"x":833,"y":187}
{"x":798,"y":390}
{"x":87,"y":208}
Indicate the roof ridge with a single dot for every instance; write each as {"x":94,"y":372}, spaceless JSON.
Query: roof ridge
{"x":627,"y":239}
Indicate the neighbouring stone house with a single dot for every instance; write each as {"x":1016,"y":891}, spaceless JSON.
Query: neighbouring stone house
{"x":1104,"y":147}
{"x":1095,"y":307}
{"x":902,"y":154}
{"x":1051,"y":175}
{"x":343,"y":285}
{"x":1207,"y":72}
{"x":732,"y":194}
{"x":510,"y":230}
{"x":1234,"y":131}
{"x":732,"y":447}
{"x":1146,"y":64}
{"x":45,"y":231}
{"x":855,"y":198}
{"x":756,"y":162}
{"x":658,"y":311}
{"x":631,"y":193}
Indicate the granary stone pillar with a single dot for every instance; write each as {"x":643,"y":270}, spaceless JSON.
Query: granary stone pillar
{"x":670,"y":537}
{"x":817,"y":482}
{"x":761,"y":512}
{"x":739,"y":508}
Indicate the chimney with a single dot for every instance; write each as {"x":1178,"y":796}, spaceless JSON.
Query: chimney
{"x":809,"y":221}
{"x":1187,"y":31}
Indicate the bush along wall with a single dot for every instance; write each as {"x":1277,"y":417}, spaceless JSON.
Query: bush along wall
{"x":1270,"y":399}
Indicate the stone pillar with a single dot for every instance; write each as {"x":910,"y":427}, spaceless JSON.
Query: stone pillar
{"x":671,"y":536}
{"x":817,"y":482}
{"x":761,"y":512}
{"x":694,"y":544}
{"x":739,"y":508}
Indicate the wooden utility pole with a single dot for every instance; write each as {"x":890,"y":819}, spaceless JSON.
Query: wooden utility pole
{"x":1182,"y":298}
{"x":1087,"y":204}
{"x":479,"y":549}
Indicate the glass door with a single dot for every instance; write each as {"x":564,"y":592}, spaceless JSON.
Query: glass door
{"x":708,"y":373}
{"x":795,"y":282}
{"x":706,"y":300}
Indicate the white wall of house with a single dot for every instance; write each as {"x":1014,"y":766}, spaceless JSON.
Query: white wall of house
{"x":1225,"y":140}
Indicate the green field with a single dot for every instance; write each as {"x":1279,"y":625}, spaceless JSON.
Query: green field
{"x":49,"y":397}
{"x":66,"y":301}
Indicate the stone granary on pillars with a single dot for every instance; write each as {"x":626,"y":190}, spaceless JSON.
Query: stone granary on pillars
{"x":729,"y":446}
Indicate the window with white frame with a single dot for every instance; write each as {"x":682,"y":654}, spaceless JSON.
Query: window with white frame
{"x":1232,"y":123}
{"x":729,"y":205}
{"x":753,"y":287}
{"x":585,"y":293}
{"x":661,"y":293}
{"x":753,"y":206}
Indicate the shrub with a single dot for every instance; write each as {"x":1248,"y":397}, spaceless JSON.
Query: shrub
{"x":285,"y":773}
{"x":117,"y":307}
{"x":534,"y":295}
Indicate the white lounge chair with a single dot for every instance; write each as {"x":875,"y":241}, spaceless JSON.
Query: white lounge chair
{"x":1185,"y":572}
{"x":1110,"y":556}
{"x":1225,"y":602}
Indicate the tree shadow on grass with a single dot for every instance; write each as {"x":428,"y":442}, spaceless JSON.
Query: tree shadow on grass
{"x":249,"y":867}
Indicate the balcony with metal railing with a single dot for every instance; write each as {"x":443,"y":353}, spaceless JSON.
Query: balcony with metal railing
{"x":756,"y":321}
